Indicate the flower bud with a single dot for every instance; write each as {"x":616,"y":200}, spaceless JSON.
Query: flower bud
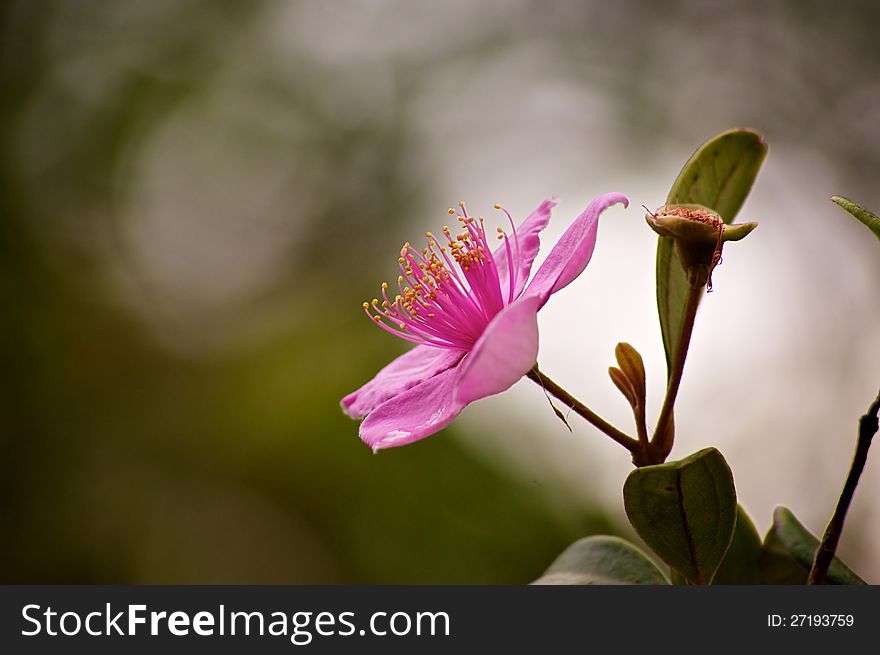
{"x":699,"y":234}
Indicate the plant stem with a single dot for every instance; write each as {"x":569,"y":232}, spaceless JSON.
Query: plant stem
{"x":868,"y":425}
{"x":663,"y":436}
{"x":582,"y":410}
{"x":642,"y":426}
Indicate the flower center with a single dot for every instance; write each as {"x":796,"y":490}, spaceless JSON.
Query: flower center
{"x":698,"y":215}
{"x":447,"y":292}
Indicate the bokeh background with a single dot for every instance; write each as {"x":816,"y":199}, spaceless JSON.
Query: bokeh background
{"x":196,"y":196}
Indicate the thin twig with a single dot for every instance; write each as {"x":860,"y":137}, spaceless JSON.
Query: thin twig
{"x":582,"y":410}
{"x":868,"y":425}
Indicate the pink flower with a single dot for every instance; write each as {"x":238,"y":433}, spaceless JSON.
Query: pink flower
{"x":472,"y":318}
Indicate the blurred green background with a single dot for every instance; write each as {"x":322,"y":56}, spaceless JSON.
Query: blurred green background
{"x":196,"y":196}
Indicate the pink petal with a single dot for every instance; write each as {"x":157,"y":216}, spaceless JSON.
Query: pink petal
{"x":415,"y":414}
{"x":524,"y":248}
{"x":408,"y":370}
{"x":503,"y":354}
{"x":572,"y":253}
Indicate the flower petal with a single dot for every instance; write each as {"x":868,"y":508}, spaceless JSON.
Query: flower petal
{"x":408,"y":370}
{"x":572,"y":253}
{"x":503,"y":354}
{"x":524,"y":248}
{"x":414,"y":414}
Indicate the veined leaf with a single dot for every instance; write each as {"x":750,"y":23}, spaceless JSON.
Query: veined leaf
{"x":685,"y":511}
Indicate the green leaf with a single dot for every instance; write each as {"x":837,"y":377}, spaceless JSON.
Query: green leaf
{"x":776,"y":564}
{"x":862,"y":214}
{"x":685,"y":511}
{"x":789,"y":543}
{"x":602,"y":560}
{"x":741,"y":562}
{"x":719,"y":176}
